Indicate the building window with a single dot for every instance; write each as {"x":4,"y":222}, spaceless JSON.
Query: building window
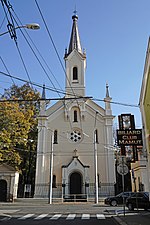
{"x":55,"y":137}
{"x":75,"y":73}
{"x":75,"y":135}
{"x":75,"y":116}
{"x":96,"y":136}
{"x":98,"y":180}
{"x":54,"y":181}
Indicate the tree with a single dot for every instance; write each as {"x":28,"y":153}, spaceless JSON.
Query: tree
{"x":18,"y":130}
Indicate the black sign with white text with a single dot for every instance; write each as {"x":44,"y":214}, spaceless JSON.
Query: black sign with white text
{"x":129,"y":137}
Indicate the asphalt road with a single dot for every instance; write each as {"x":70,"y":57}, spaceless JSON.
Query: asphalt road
{"x":59,"y":221}
{"x":57,"y":214}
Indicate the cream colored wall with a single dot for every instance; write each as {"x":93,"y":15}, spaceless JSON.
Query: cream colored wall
{"x":64,"y":150}
{"x":145,"y":112}
{"x":75,"y":59}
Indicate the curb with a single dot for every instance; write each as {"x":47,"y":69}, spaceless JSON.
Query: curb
{"x":119,"y":221}
{"x":4,"y":217}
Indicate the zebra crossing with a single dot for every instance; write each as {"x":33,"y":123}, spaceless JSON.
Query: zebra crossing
{"x":73,"y":216}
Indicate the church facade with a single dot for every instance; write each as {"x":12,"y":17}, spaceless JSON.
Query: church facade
{"x":75,"y":138}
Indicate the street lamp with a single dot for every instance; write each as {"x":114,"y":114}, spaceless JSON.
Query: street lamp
{"x":32,"y":26}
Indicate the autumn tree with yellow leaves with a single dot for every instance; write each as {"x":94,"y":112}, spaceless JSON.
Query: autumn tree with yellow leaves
{"x":18,"y":130}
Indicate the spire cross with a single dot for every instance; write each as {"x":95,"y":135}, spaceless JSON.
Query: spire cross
{"x":75,"y":11}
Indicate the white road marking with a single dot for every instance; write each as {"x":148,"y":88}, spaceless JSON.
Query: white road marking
{"x":71,"y":216}
{"x":56,"y":217}
{"x":85,"y":216}
{"x":7,"y":211}
{"x":26,"y":216}
{"x":100,"y":216}
{"x":40,"y":216}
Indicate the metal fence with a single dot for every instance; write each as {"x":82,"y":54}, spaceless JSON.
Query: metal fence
{"x":104,"y":189}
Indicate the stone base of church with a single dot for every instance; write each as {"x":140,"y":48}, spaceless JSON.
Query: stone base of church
{"x":58,"y":192}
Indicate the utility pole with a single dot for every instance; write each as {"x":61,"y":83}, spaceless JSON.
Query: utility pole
{"x":51,"y":169}
{"x":95,"y":168}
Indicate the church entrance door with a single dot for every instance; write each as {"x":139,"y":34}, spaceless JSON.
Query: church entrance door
{"x":75,"y":185}
{"x":3,"y":191}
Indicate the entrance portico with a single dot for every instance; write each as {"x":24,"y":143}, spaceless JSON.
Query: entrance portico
{"x":75,"y":177}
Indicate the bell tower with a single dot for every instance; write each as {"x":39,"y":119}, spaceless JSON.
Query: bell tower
{"x":75,"y":61}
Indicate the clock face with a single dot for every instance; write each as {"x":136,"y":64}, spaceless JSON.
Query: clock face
{"x":126,"y":122}
{"x":75,"y":135}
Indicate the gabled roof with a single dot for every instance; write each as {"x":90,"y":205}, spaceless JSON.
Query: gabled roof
{"x":6,"y":168}
{"x":73,"y":159}
{"x":55,"y":108}
{"x":60,"y":105}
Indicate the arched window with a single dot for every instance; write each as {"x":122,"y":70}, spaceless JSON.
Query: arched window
{"x":54,"y":181}
{"x":75,"y":116}
{"x":75,"y":73}
{"x":55,"y":137}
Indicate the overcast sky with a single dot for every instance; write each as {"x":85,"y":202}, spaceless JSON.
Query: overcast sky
{"x":114,"y":33}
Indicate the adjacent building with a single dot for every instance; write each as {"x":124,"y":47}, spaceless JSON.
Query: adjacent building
{"x":145,"y":112}
{"x":8,"y":183}
{"x":75,"y":137}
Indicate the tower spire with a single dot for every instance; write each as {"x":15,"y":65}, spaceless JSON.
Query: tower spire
{"x":43,"y":92}
{"x":107,"y":91}
{"x":107,"y":101}
{"x":75,"y":38}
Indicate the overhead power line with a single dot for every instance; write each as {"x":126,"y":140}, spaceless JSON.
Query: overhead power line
{"x":40,"y":99}
{"x":74,"y":97}
{"x":33,"y":83}
{"x":117,"y":103}
{"x":58,"y":56}
{"x":12,"y":32}
{"x":7,"y":69}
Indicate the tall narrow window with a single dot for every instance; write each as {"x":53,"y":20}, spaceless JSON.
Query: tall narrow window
{"x":54,"y":181}
{"x":75,"y":73}
{"x":96,"y":136}
{"x":75,"y":116}
{"x":55,"y":137}
{"x":98,"y":178}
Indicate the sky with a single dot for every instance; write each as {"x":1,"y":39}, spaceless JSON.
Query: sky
{"x":114,"y":34}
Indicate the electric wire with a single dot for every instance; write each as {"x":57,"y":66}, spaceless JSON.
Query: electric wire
{"x":66,"y":93}
{"x":65,"y":105}
{"x":2,"y":22}
{"x":12,"y":32}
{"x":117,"y":103}
{"x":36,"y":100}
{"x":23,"y":62}
{"x":10,"y":25}
{"x":50,"y":36}
{"x":7,"y":69}
{"x":36,"y":54}
{"x":33,"y":83}
{"x":9,"y":6}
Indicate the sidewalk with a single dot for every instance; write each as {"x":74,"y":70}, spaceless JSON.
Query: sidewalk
{"x":134,"y":218}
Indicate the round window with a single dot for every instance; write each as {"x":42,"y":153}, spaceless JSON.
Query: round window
{"x":75,"y":135}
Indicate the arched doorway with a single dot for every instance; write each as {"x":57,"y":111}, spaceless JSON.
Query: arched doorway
{"x":76,"y":185}
{"x":3,"y":191}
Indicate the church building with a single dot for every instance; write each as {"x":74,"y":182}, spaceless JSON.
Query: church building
{"x":75,"y":137}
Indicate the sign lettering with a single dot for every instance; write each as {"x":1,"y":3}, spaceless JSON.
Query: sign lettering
{"x":129,"y":137}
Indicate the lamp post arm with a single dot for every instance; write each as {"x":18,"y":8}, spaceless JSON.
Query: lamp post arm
{"x":32,"y":26}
